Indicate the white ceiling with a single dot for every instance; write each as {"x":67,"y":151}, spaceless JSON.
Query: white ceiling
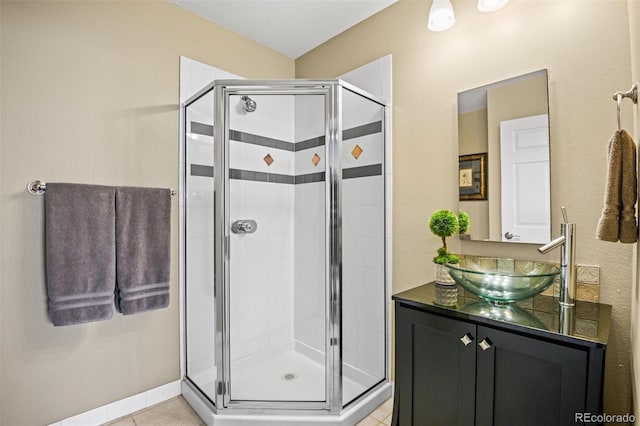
{"x":292,"y":27}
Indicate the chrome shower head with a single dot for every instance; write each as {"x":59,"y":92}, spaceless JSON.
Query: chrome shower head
{"x":249,"y":104}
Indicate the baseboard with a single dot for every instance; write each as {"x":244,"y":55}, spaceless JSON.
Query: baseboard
{"x":123,"y":407}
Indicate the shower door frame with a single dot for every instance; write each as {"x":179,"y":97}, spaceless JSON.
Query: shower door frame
{"x":223,"y":90}
{"x":331,"y":89}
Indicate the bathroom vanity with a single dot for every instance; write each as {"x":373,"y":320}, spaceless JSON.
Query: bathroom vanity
{"x":478,"y":364}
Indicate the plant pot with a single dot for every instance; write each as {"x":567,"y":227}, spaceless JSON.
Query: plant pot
{"x":446,"y":294}
{"x":442,"y":275}
{"x":446,"y":288}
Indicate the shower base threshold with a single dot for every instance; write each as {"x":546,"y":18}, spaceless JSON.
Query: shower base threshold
{"x":350,"y":416}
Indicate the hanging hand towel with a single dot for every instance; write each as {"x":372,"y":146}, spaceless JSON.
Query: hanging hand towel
{"x":628,"y":232}
{"x":143,"y":220}
{"x":618,"y":221}
{"x":80,"y":252}
{"x":608,"y":225}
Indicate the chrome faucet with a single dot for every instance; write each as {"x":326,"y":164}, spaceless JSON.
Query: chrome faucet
{"x":567,"y":239}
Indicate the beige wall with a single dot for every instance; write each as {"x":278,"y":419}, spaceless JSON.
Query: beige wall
{"x":90,"y":94}
{"x":473,"y":133}
{"x":634,"y":30}
{"x":587,"y":58}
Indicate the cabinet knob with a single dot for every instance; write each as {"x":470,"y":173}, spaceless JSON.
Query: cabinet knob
{"x":466,"y":339}
{"x":485,"y":344}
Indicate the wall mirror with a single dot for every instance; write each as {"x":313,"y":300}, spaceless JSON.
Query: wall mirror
{"x":503,"y":148}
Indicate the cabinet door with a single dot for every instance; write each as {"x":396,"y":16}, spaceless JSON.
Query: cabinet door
{"x":525,"y":381}
{"x":435,"y":370}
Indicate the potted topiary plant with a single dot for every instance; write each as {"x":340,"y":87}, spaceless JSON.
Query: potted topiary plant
{"x":463,"y":223}
{"x":445,"y":223}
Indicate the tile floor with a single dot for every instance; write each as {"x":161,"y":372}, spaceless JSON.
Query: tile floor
{"x":176,"y":412}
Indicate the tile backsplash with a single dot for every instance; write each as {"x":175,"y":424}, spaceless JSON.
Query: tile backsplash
{"x":588,"y":283}
{"x":587,"y":280}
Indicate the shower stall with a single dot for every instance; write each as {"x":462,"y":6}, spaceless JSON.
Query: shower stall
{"x":285,"y":243}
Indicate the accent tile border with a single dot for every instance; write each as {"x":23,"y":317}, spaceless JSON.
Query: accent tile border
{"x":237,"y":136}
{"x":201,"y":128}
{"x":364,"y":130}
{"x":201,"y":170}
{"x":363,"y":171}
{"x":353,"y":172}
{"x":260,"y":176}
{"x":309,"y":178}
{"x":309,"y":143}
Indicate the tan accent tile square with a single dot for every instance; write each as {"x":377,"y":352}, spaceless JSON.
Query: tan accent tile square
{"x":588,"y":311}
{"x":546,"y":318}
{"x":356,"y":151}
{"x":543,"y":304}
{"x":268,"y":159}
{"x":548,"y":291}
{"x":525,"y":304}
{"x":588,"y":274}
{"x":554,"y":289}
{"x":523,"y":266}
{"x":588,"y":293}
{"x":316,"y":159}
{"x":586,"y":327}
{"x":490,"y":264}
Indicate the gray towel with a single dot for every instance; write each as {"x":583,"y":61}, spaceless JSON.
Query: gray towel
{"x":143,"y":220}
{"x":80,"y":252}
{"x":618,"y":220}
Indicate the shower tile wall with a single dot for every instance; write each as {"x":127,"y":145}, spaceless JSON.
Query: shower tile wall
{"x":262,"y":262}
{"x":283,"y":263}
{"x":310,"y":229}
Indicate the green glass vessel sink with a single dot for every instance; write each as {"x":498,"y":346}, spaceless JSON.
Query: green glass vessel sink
{"x":501,"y":281}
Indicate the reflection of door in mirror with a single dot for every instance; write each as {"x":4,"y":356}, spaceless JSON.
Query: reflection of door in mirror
{"x":480,"y":112}
{"x":524,"y":149}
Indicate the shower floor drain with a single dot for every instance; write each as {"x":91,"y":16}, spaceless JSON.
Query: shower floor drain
{"x":289,"y":376}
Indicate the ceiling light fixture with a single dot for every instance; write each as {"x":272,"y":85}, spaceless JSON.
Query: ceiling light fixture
{"x":491,"y":5}
{"x":441,"y":15}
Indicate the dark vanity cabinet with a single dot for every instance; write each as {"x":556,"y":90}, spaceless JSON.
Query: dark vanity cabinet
{"x":454,"y":368}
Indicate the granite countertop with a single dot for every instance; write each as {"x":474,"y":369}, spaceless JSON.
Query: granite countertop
{"x":538,"y":315}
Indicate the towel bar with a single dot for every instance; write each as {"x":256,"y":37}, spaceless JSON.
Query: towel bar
{"x":37,"y":187}
{"x":631,"y":94}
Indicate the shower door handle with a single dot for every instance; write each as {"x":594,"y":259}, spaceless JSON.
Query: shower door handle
{"x":244,"y":226}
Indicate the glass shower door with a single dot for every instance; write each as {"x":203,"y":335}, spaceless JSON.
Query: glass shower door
{"x":277,"y":243}
{"x":200,"y":310}
{"x":363,"y":245}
